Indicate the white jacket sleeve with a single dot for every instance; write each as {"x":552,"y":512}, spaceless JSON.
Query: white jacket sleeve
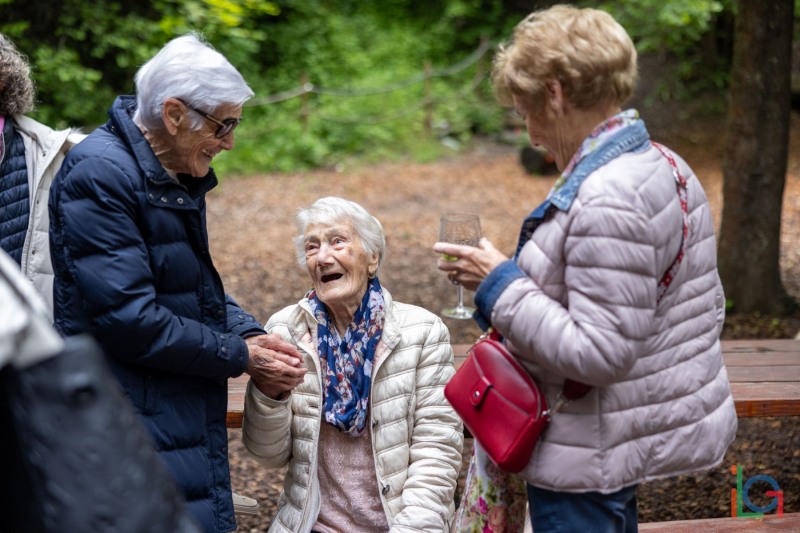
{"x":26,"y":335}
{"x":265,"y":428}
{"x":266,"y":424}
{"x":436,"y":442}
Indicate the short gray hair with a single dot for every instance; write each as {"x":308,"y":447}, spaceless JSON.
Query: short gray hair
{"x":17,"y":91}
{"x":188,"y":68}
{"x":333,"y":210}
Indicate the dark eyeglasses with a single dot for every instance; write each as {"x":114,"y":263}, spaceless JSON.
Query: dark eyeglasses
{"x":225,"y":126}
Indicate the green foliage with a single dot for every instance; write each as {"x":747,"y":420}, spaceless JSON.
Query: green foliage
{"x":655,"y":25}
{"x":86,"y":51}
{"x":694,"y":31}
{"x":365,"y":59}
{"x":68,"y":104}
{"x":362,"y":62}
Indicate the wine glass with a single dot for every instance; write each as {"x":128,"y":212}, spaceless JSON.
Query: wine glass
{"x":459,"y":228}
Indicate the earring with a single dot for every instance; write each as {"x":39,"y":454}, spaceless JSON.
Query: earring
{"x":373,"y":274}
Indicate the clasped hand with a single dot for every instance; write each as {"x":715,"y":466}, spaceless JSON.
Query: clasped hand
{"x":473,"y":263}
{"x":275,"y":366}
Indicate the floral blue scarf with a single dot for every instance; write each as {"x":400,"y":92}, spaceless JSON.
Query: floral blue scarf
{"x":347,"y":363}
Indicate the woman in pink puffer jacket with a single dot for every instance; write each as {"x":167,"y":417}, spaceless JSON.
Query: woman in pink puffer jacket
{"x":614,"y":282}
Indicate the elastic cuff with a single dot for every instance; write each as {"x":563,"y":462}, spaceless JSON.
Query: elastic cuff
{"x":492,"y":287}
{"x":265,"y":400}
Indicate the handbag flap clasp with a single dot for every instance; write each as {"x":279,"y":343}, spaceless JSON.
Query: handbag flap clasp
{"x":479,"y":391}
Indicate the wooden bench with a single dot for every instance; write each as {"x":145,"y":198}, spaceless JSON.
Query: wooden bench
{"x":764,"y":374}
{"x":770,"y":522}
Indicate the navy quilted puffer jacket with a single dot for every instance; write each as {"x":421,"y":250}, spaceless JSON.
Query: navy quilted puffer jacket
{"x":14,"y":208}
{"x":130,"y":252}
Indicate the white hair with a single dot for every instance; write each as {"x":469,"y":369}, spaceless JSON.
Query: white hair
{"x":188,"y":68}
{"x":333,"y":210}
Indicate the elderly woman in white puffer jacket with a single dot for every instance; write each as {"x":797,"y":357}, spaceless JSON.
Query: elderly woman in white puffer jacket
{"x":614,"y":282}
{"x":372,"y":444}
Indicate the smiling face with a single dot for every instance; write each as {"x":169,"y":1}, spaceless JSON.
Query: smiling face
{"x":195,"y":149}
{"x":339,"y":267}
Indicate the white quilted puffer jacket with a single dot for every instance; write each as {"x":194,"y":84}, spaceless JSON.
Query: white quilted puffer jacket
{"x":416,"y":436}
{"x":583,"y":305}
{"x":45,"y":149}
{"x":26,"y":334}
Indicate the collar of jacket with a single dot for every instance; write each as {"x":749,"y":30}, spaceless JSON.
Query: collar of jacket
{"x":302,"y":321}
{"x":629,"y":139}
{"x":42,"y":142}
{"x":159,"y":183}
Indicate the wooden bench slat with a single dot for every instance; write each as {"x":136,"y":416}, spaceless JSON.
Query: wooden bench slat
{"x":234,"y":419}
{"x":760,"y":374}
{"x":766,"y":391}
{"x":771,"y":522}
{"x":759,"y":345}
{"x":761,"y":359}
{"x":766,"y":399}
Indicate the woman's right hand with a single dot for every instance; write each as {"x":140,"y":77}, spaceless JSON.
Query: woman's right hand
{"x":473,"y":264}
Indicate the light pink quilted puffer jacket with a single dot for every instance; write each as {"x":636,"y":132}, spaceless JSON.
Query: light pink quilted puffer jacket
{"x":661,"y":403}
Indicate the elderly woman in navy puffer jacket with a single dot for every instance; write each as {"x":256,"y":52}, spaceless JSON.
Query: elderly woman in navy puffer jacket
{"x":131,"y":256}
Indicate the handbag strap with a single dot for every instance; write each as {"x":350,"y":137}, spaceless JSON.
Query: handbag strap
{"x":683,"y":195}
{"x":572,"y":390}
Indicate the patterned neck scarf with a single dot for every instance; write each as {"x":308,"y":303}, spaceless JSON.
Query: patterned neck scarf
{"x":347,"y":362}
{"x":619,"y":134}
{"x":604,"y":131}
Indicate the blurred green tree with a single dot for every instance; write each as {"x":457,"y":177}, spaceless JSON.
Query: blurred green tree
{"x":84,"y":52}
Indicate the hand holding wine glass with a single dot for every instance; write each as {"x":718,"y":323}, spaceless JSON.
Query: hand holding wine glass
{"x":464,"y":229}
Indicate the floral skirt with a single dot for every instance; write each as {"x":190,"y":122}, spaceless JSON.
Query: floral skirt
{"x":494,"y":501}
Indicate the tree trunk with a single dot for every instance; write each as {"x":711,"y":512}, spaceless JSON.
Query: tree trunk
{"x":756,"y":157}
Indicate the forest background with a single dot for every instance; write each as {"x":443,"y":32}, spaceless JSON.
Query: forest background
{"x":343,"y":85}
{"x":342,"y":79}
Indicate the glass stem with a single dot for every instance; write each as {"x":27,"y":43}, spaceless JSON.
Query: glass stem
{"x":460,"y":292}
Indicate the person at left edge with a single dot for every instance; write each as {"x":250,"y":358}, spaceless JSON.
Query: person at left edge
{"x":30,"y":155}
{"x":130,"y":250}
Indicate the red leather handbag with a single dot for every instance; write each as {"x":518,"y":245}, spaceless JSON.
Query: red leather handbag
{"x":500,"y":404}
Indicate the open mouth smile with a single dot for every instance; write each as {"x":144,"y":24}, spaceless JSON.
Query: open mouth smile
{"x":326,"y":278}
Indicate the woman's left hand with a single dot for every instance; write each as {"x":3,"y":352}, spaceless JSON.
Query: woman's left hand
{"x":473,"y":264}
{"x":275,"y":366}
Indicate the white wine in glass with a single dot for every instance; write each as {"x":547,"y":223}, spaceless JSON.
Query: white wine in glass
{"x":459,"y":228}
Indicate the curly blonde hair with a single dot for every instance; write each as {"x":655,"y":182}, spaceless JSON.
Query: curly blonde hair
{"x":586,"y":50}
{"x":17,"y":90}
